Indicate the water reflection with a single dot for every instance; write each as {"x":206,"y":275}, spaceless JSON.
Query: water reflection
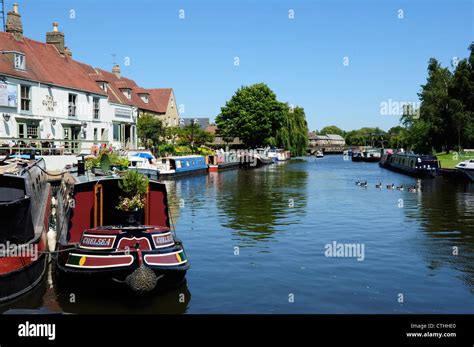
{"x":95,"y":298}
{"x":446,"y":215}
{"x":255,"y":203}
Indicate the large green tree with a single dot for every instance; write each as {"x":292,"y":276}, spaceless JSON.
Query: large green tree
{"x":253,"y":114}
{"x":332,"y":129}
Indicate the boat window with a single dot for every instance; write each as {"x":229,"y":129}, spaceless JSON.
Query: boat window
{"x":178,"y":164}
{"x":192,"y":163}
{"x":187,"y":163}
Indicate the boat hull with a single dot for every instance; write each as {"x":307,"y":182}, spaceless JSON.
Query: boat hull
{"x":409,"y":172}
{"x":468,"y":172}
{"x":24,"y":279}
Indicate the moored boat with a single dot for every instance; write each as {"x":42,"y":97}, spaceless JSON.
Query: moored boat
{"x":467,"y":167}
{"x":357,"y":156}
{"x":319,"y":154}
{"x":25,"y":204}
{"x":222,"y":161}
{"x":98,"y":241}
{"x":411,"y":164}
{"x":279,"y":154}
{"x":372,"y":155}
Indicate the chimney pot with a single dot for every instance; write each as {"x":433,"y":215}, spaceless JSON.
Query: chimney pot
{"x":15,"y":7}
{"x":55,"y":26}
{"x":116,"y":70}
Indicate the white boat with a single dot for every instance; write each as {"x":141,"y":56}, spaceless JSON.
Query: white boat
{"x":319,"y":154}
{"x":278,"y":154}
{"x":467,"y":167}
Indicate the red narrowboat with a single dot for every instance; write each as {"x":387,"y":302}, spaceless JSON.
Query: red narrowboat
{"x":25,"y":203}
{"x":96,"y":242}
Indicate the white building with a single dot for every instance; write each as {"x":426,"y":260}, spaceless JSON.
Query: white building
{"x":47,"y":95}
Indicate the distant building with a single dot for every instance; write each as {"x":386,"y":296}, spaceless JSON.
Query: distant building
{"x":203,"y":122}
{"x":327,"y":140}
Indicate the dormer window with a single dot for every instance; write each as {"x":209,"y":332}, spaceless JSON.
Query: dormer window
{"x":20,"y":61}
{"x":144,"y":98}
{"x":127,"y":92}
{"x":103,"y":85}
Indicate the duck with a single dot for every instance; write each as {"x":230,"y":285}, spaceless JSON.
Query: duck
{"x":357,"y":183}
{"x":363,"y":184}
{"x":412,"y":189}
{"x":400,"y":187}
{"x":391,"y":186}
{"x":379,"y":185}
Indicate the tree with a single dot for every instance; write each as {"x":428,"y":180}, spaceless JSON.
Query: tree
{"x":332,"y":129}
{"x":193,"y":134}
{"x":293,"y":134}
{"x":253,"y":114}
{"x":150,"y":130}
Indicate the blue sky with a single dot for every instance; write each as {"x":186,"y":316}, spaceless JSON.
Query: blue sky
{"x":301,"y":59}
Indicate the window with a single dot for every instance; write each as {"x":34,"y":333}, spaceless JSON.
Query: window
{"x":103,"y":86}
{"x":117,"y":130}
{"x":96,"y":132}
{"x":20,"y":61}
{"x":25,"y":98}
{"x":96,"y":108}
{"x":32,"y":131}
{"x":72,"y":105}
{"x":127,"y":92}
{"x":144,"y":98}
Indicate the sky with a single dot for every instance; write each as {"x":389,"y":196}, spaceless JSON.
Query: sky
{"x":342,"y":61}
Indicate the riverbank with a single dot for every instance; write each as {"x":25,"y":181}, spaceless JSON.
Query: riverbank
{"x":450,"y":160}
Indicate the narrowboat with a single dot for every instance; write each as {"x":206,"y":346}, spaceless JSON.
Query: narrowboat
{"x":467,"y":167}
{"x":372,"y":155}
{"x":411,"y":164}
{"x":278,"y":154}
{"x":357,"y":156}
{"x":168,"y":167}
{"x":223,"y":161}
{"x":98,"y":242}
{"x":171,"y":167}
{"x":25,"y":206}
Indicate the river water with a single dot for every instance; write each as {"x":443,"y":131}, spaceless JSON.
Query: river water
{"x":258,"y":242}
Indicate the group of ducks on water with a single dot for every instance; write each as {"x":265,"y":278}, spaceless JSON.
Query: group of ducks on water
{"x":416,"y":188}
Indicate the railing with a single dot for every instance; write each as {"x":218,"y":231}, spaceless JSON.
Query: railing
{"x":38,"y":146}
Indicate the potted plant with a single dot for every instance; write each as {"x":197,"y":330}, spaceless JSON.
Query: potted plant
{"x":134,"y":186}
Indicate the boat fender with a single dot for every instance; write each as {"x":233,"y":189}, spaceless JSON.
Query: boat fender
{"x":51,"y":236}
{"x":142,"y":280}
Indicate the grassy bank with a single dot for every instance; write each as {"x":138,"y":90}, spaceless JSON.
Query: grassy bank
{"x":449,"y":161}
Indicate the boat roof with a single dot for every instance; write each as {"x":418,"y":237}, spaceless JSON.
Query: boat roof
{"x":416,"y":155}
{"x":18,"y":166}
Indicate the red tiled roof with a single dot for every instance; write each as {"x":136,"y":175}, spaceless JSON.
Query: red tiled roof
{"x":44,"y":64}
{"x":158,"y":97}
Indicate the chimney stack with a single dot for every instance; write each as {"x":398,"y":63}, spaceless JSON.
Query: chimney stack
{"x":68,"y":52}
{"x":14,"y":25}
{"x":56,"y":38}
{"x":116,"y":70}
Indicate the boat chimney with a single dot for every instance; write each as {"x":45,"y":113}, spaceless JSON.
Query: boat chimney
{"x":81,"y":167}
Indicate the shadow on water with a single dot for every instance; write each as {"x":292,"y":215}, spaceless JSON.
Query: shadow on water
{"x":446,"y":215}
{"x":92,"y":297}
{"x":109,"y":298}
{"x":255,"y":203}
